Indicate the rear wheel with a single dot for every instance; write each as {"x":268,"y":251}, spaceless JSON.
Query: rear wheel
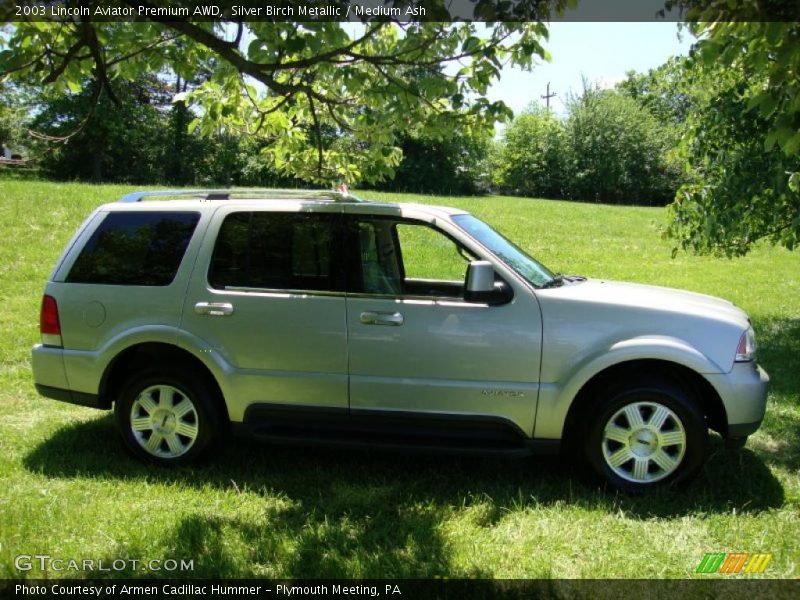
{"x":646,"y":434}
{"x":169,"y":418}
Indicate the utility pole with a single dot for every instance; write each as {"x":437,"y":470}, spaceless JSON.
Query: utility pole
{"x":548,"y":95}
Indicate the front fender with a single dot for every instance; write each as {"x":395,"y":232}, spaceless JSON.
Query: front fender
{"x":555,"y":398}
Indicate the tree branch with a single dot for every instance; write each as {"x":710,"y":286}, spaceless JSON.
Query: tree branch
{"x":59,"y":70}
{"x":81,"y":126}
{"x":90,"y":38}
{"x":404,"y":87}
{"x":344,"y":126}
{"x":149,"y":46}
{"x":318,"y":130}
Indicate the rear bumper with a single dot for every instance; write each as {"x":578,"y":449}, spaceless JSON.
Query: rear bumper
{"x":48,"y":367}
{"x":744,"y":394}
{"x":90,"y":400}
{"x":50,"y":378}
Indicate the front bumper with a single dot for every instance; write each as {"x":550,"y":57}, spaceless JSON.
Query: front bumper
{"x":744,"y":394}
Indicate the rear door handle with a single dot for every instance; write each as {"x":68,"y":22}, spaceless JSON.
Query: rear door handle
{"x":381,"y":318}
{"x":214,"y":309}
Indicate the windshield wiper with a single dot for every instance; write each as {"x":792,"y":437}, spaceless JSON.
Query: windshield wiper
{"x":556,"y":281}
{"x":560,"y":279}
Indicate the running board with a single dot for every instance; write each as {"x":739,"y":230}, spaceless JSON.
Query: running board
{"x":390,"y":430}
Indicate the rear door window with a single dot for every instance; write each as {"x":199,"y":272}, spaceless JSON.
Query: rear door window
{"x":276,"y":251}
{"x":135,"y":248}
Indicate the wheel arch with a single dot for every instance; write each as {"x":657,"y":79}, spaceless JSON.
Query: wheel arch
{"x":144,"y":354}
{"x":689,"y":379}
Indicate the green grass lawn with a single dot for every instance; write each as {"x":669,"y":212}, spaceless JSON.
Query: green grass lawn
{"x":67,"y":488}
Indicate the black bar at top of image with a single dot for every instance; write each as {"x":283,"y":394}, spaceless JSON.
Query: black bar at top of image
{"x":733,"y":588}
{"x":402,"y":10}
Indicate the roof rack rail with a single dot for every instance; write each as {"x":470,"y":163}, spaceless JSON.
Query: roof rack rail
{"x":260,"y":193}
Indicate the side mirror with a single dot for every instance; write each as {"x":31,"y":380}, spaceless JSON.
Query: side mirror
{"x":480,"y":277}
{"x":480,"y":285}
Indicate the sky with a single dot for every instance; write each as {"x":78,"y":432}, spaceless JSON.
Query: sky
{"x":602,"y":52}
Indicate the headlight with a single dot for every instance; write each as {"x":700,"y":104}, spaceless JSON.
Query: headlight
{"x":746,"y":350}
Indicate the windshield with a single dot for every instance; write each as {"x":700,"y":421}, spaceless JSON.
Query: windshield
{"x":506,"y":250}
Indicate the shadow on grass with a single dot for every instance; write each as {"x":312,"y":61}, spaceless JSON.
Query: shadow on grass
{"x":779,"y":354}
{"x":362,"y":482}
{"x":302,"y":540}
{"x":334,"y":513}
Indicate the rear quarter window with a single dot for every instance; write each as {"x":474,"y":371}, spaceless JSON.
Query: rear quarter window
{"x":135,"y":248}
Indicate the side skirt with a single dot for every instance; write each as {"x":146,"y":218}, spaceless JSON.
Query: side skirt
{"x":390,"y":430}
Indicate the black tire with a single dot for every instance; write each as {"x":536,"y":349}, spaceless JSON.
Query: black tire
{"x":657,"y":458}
{"x":176,"y":385}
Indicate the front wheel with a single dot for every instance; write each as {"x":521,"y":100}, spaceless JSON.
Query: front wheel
{"x":169,"y":418}
{"x":646,"y":434}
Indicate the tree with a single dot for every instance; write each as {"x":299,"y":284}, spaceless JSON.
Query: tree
{"x":300,"y":86}
{"x":663,"y":91}
{"x":743,"y":137}
{"x":143,"y":139}
{"x":611,"y":148}
{"x":121,"y":142}
{"x":14,"y":107}
{"x":449,"y":165}
{"x":534,"y":157}
{"x":621,"y":153}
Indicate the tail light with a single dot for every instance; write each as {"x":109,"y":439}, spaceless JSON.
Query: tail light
{"x":49,"y":324}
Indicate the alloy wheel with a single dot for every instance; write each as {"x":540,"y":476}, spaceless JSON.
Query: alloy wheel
{"x":644,"y":442}
{"x":164,"y":421}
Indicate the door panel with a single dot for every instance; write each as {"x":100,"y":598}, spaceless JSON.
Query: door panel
{"x":293,"y":346}
{"x":270,"y":301}
{"x":439,"y":354}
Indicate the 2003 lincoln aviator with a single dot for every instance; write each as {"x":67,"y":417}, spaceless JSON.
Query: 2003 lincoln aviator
{"x":314,"y":316}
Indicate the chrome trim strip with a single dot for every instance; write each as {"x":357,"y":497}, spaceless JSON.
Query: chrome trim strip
{"x":439,"y":300}
{"x":277,"y":292}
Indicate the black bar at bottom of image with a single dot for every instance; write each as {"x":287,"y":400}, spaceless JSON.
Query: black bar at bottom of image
{"x":348,"y":589}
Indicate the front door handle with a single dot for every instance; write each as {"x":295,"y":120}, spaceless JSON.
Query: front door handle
{"x":381,"y":318}
{"x":214,"y":309}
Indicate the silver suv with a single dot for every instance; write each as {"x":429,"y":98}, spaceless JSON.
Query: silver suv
{"x":316,"y":316}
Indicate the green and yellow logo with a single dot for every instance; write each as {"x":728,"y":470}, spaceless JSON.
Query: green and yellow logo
{"x":733,"y":562}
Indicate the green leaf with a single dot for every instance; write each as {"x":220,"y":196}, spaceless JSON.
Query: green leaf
{"x":768,"y":104}
{"x":295,"y":43}
{"x":774,"y":33}
{"x":769,"y":141}
{"x":470,"y":45}
{"x":792,"y":145}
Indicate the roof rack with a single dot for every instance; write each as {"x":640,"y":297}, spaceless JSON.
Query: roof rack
{"x":251,"y":193}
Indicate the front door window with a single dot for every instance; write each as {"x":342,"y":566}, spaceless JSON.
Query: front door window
{"x":407,"y":258}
